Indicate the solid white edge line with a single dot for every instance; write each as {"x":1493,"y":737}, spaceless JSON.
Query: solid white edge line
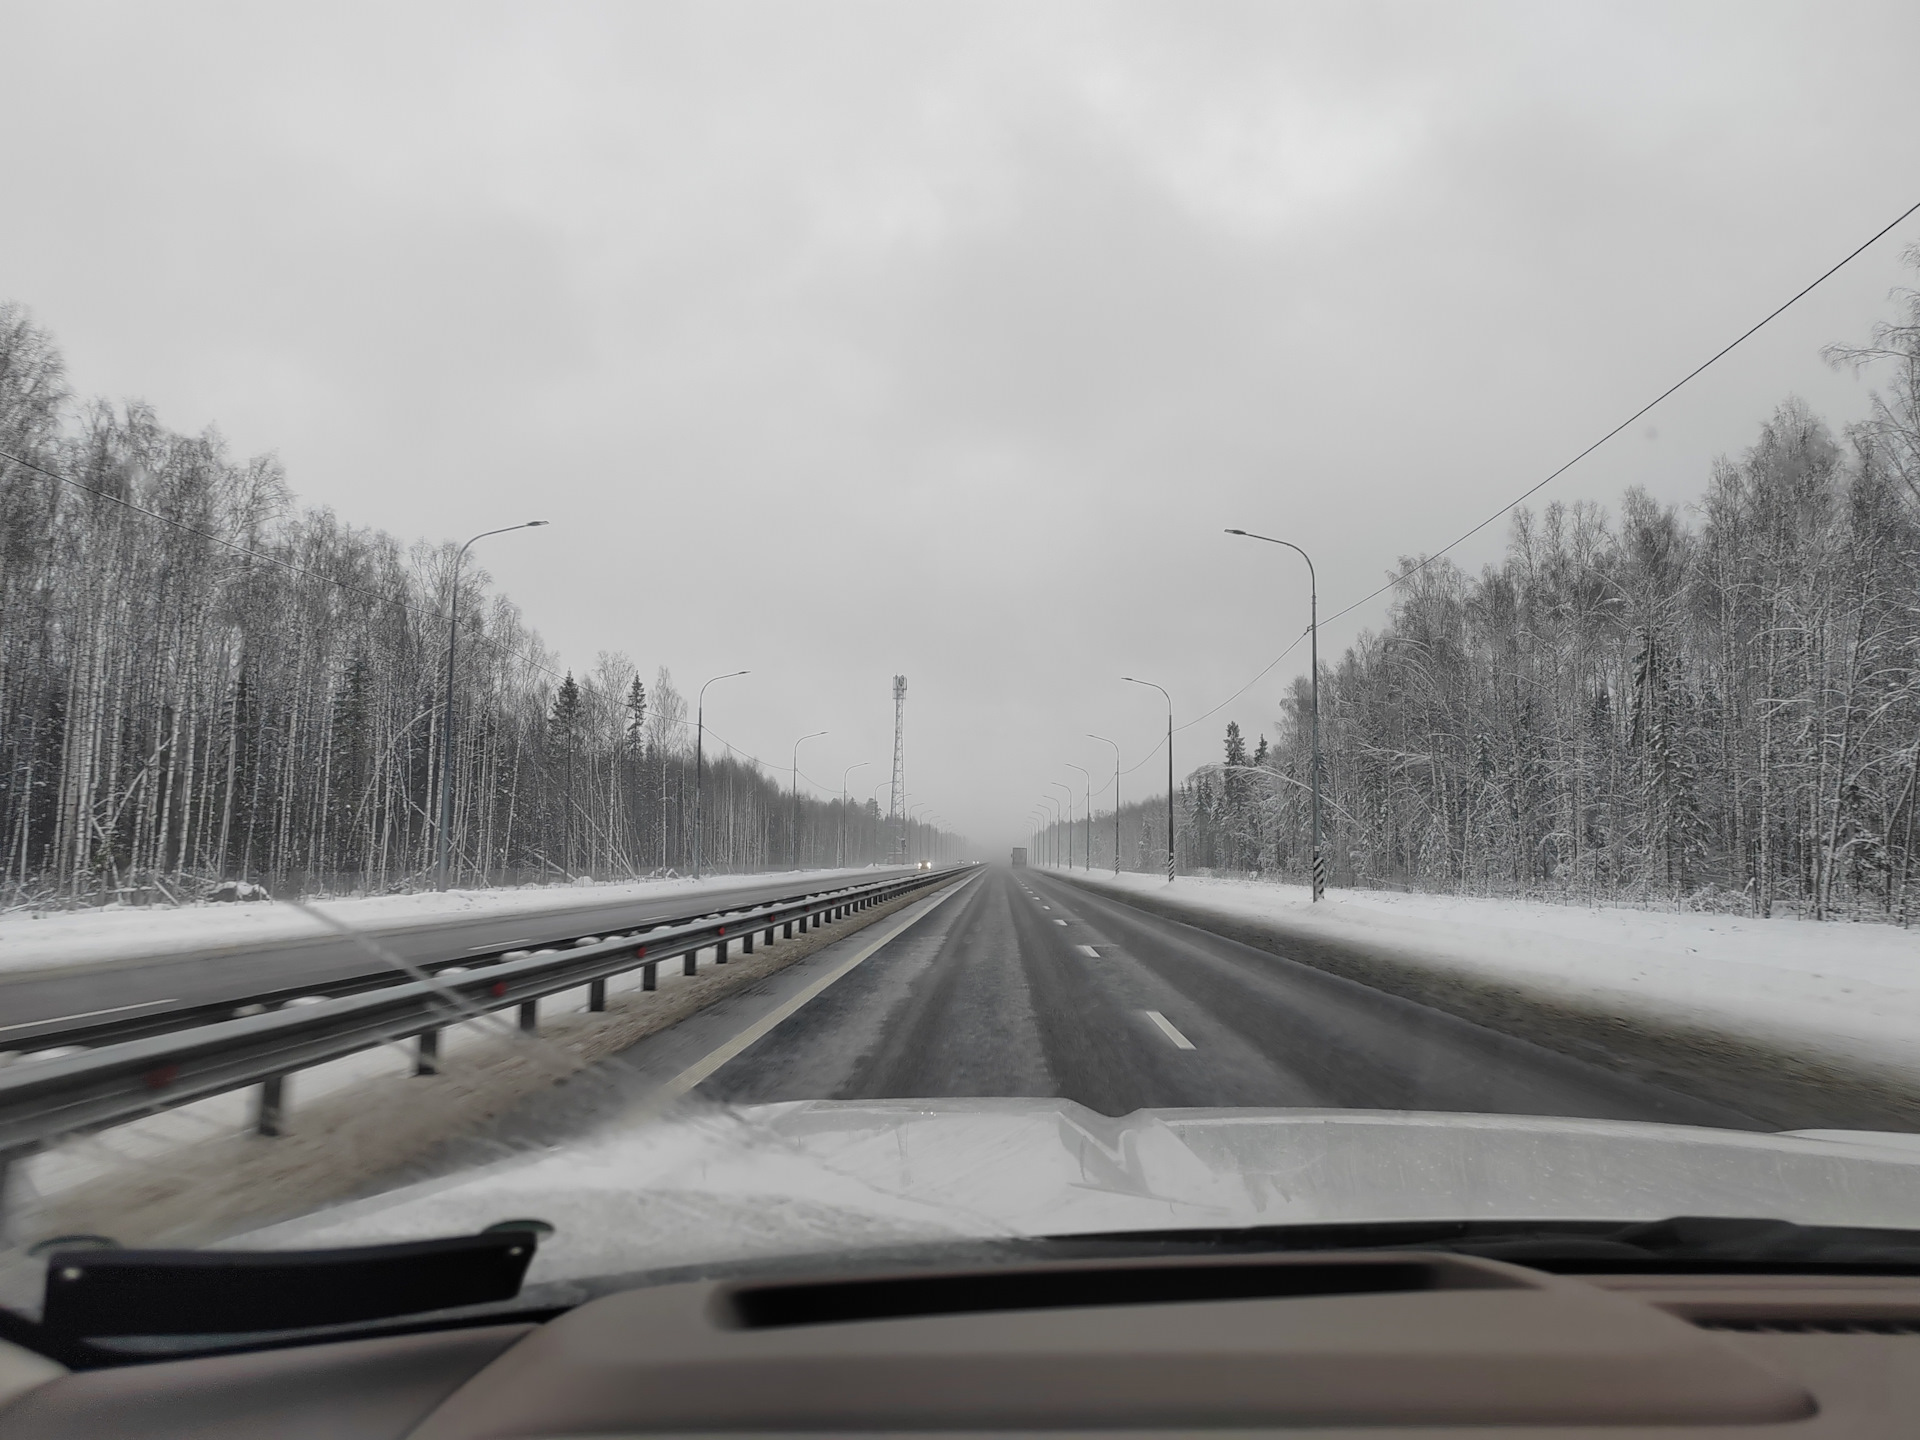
{"x":714,"y":1059}
{"x":1166,"y":1028}
{"x":85,"y":1014}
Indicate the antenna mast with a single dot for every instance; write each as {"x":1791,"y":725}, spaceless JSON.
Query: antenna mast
{"x":897,"y":815}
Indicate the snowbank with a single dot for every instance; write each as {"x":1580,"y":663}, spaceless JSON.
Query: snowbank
{"x":91,"y":937}
{"x":1849,"y":991}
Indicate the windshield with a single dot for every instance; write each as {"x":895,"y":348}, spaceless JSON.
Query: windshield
{"x":773,"y":630}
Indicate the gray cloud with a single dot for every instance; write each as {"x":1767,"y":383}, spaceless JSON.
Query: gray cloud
{"x":841,"y":339}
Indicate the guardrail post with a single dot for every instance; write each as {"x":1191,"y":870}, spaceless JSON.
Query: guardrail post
{"x":746,"y":943}
{"x":720,"y":953}
{"x":270,"y":1107}
{"x":597,"y":995}
{"x":770,"y":930}
{"x":787,"y":934}
{"x":648,"y":977}
{"x":530,"y":1016}
{"x":690,"y":962}
{"x":427,"y":1062}
{"x":8,"y":1159}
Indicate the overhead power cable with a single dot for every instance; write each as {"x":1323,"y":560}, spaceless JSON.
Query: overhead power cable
{"x":1691,"y":375}
{"x":1540,"y":485}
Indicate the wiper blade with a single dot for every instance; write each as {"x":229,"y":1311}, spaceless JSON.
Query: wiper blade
{"x":1699,"y":1244}
{"x":97,"y":1294}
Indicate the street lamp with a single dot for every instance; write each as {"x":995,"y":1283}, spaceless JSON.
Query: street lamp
{"x":793,"y":805}
{"x":1084,"y":771}
{"x":1116,"y":798}
{"x":441,"y":843}
{"x":1053,"y":830}
{"x":699,"y":748}
{"x":1313,"y":661}
{"x":843,"y":808}
{"x":1130,"y":680}
{"x":886,"y":785}
{"x":911,"y":811}
{"x":1060,"y":785}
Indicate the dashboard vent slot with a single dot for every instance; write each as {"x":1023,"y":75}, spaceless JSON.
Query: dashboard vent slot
{"x":766,"y":1307}
{"x":1805,"y":1325}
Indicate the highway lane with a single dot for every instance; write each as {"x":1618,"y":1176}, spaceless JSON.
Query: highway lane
{"x":180,"y":980}
{"x":1022,"y":985}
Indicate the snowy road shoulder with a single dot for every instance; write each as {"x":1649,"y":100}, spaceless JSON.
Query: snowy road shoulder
{"x":1850,"y":992}
{"x":37,"y":943}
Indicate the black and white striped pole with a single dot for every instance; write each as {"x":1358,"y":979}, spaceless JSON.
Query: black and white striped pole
{"x":1313,"y":660}
{"x":1169,"y":699}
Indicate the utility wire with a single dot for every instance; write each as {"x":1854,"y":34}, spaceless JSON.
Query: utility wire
{"x":1540,"y":485}
{"x":1692,"y":374}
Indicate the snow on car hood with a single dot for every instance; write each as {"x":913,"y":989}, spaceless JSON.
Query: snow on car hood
{"x":713,"y":1183}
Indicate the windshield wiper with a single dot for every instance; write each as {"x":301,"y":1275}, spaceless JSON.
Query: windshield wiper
{"x":110,"y":1294}
{"x":1687,"y":1243}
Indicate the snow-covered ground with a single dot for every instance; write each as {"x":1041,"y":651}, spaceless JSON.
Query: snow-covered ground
{"x":1845,"y":990}
{"x":93,"y":937}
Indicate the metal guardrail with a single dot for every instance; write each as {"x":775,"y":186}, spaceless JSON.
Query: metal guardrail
{"x":56,"y":1034}
{"x":44,"y":1100}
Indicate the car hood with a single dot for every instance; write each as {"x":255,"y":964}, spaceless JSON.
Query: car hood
{"x":716,"y":1183}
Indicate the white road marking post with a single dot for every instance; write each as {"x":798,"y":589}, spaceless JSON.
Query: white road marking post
{"x":1166,"y":1028}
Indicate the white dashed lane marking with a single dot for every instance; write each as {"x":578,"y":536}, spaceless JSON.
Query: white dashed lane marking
{"x":1166,"y":1028}
{"x":1059,"y":922}
{"x":1088,"y":951}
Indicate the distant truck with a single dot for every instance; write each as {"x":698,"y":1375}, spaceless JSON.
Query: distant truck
{"x":1019,"y":857}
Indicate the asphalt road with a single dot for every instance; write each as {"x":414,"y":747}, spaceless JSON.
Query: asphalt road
{"x":179,"y":981}
{"x":1022,"y":985}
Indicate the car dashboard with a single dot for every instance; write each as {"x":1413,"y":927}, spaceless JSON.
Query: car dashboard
{"x":1411,"y":1343}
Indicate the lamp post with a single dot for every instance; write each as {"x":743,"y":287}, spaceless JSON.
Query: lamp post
{"x":699,"y":761}
{"x":911,"y":811}
{"x":1060,"y":785}
{"x":793,"y":804}
{"x":1053,"y":830}
{"x":1089,"y":778}
{"x":1169,"y":699}
{"x":843,"y":808}
{"x":442,"y":840}
{"x":1116,"y":798}
{"x":883,"y":785}
{"x":1313,"y":661}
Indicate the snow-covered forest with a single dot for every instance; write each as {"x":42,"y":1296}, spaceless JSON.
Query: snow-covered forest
{"x":1718,"y":706}
{"x":209,"y":682}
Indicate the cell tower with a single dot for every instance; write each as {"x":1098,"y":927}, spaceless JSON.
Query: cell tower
{"x":897,"y":814}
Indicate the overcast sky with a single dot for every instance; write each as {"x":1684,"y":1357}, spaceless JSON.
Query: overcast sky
{"x":840,"y":340}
